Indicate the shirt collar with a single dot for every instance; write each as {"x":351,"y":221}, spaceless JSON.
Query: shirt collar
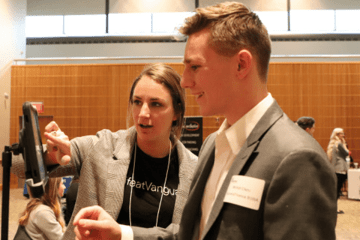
{"x":241,"y":129}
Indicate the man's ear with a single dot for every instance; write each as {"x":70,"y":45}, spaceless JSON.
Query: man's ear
{"x":244,"y":62}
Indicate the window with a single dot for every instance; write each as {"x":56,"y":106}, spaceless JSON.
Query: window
{"x":347,"y":20}
{"x":144,"y":24}
{"x":312,"y":21}
{"x":85,"y":25}
{"x":44,"y":26}
{"x":130,"y":23}
{"x":274,"y":21}
{"x":166,"y":23}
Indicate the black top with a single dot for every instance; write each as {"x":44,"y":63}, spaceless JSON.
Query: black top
{"x":147,"y":188}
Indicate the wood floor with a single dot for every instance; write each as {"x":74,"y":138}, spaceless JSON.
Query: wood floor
{"x":348,"y":224}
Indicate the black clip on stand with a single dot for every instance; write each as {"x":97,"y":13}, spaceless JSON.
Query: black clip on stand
{"x":6,"y":163}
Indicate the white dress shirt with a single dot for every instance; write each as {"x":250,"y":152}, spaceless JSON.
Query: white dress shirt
{"x":228,"y":142}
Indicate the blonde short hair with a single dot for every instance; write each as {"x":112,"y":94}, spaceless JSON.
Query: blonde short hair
{"x":233,"y":27}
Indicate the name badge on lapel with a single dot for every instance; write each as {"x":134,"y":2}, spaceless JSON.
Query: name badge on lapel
{"x":245,"y":191}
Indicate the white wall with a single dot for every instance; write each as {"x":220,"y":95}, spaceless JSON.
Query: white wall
{"x":78,"y":7}
{"x":281,"y":5}
{"x":177,"y":49}
{"x":107,"y":50}
{"x":65,"y":7}
{"x":315,"y":48}
{"x":131,"y":6}
{"x":324,"y":4}
{"x":13,"y":45}
{"x":254,"y":5}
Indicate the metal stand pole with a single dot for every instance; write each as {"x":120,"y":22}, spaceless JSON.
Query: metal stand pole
{"x":6,"y":163}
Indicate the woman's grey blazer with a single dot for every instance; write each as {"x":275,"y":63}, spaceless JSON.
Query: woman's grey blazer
{"x":338,"y":160}
{"x":101,"y":162}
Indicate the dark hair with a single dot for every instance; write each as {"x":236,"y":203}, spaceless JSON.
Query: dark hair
{"x":167,"y":76}
{"x":306,"y":122}
{"x":233,"y":27}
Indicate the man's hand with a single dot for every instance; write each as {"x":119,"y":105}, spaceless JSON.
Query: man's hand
{"x":95,"y":223}
{"x":58,"y":145}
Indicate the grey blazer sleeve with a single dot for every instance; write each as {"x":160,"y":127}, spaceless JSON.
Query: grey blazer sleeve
{"x":339,"y":158}
{"x":342,"y":151}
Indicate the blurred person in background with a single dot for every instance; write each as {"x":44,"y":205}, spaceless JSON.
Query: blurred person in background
{"x":42,"y":218}
{"x":337,"y":153}
{"x":307,"y":123}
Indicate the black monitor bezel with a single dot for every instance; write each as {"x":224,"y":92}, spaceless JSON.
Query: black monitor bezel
{"x":30,"y":137}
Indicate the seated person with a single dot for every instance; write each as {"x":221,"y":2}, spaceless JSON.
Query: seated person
{"x":42,"y":217}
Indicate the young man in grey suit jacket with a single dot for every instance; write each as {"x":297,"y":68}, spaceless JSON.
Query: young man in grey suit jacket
{"x":259,"y":176}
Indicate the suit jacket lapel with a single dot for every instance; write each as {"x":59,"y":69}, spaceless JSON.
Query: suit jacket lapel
{"x":237,"y":166}
{"x":192,"y":209}
{"x":241,"y":160}
{"x":116,"y":173}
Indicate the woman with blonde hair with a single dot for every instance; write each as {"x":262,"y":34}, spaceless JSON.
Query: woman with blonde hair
{"x":337,"y":153}
{"x":42,"y":218}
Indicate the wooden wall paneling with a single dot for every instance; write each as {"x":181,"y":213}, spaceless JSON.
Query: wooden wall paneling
{"x":18,"y":92}
{"x":85,"y":98}
{"x":321,"y":89}
{"x":113,"y":98}
{"x":211,"y":124}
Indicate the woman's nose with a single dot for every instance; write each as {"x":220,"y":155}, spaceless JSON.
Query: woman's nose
{"x":144,"y":111}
